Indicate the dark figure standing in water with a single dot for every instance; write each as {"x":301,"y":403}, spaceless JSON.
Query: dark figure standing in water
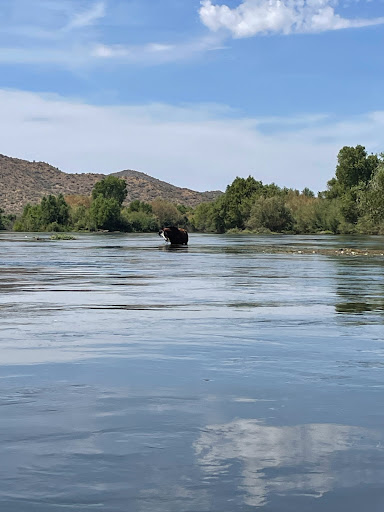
{"x":176,"y":236}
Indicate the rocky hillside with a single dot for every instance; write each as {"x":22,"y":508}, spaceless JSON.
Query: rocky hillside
{"x":146,"y":188}
{"x":23,"y":182}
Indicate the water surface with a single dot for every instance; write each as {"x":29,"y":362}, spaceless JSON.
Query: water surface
{"x":215,"y":378}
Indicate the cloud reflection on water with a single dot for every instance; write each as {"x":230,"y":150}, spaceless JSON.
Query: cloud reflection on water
{"x":299,"y":459}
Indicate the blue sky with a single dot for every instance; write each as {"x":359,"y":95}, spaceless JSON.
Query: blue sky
{"x":192,"y":92}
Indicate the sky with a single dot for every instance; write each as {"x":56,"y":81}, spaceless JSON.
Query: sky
{"x":192,"y":92}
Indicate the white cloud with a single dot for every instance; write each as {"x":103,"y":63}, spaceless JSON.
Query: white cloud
{"x":110,"y":51}
{"x":57,"y":32}
{"x":63,"y":33}
{"x":156,"y":53}
{"x":82,"y":55}
{"x":133,"y":53}
{"x":254,"y":17}
{"x":197,"y":146}
{"x":51,"y":33}
{"x":52,"y":19}
{"x":87,"y":17}
{"x":157,"y":47}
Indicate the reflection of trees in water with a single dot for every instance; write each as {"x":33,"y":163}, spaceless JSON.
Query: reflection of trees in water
{"x":358,"y":307}
{"x":360,"y":285}
{"x":300,"y":459}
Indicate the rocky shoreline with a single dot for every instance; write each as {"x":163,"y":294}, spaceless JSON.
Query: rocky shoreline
{"x":346,"y":251}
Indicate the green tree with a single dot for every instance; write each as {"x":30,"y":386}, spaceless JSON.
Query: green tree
{"x":105,"y":213}
{"x":307,"y":192}
{"x":354,"y":168}
{"x":79,"y":212}
{"x":139,"y":221}
{"x":52,"y":214}
{"x":2,"y":223}
{"x":30,"y":219}
{"x":63,"y":210}
{"x":270,"y":213}
{"x":354,"y":171}
{"x":204,"y":218}
{"x":111,"y":188}
{"x":139,"y":206}
{"x":328,"y":216}
{"x":372,"y":203}
{"x":80,"y":218}
{"x":237,"y":202}
{"x":303,"y":208}
{"x":232,"y":209}
{"x":167,"y":213}
{"x":2,"y":220}
{"x":349,"y":206}
{"x":54,"y":210}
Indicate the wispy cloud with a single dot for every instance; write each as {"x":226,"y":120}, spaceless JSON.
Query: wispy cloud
{"x":87,"y":17}
{"x":62,"y":33}
{"x":198,"y":146}
{"x":82,"y":54}
{"x":51,"y":18}
{"x":136,"y":52}
{"x":253,"y":17}
{"x":57,"y":32}
{"x":155,"y":53}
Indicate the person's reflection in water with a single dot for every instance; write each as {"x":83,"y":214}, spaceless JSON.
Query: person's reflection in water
{"x":173,"y":248}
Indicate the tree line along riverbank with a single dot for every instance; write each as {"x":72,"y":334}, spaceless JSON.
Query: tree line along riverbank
{"x":353,"y":203}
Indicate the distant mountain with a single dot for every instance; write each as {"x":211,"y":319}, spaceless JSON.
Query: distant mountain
{"x":23,"y":182}
{"x":146,"y":188}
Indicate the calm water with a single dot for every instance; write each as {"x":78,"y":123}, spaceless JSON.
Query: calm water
{"x":213,"y":378}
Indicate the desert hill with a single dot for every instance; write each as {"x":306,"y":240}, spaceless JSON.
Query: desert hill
{"x":23,"y":182}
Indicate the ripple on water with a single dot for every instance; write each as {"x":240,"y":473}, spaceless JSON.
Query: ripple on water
{"x":241,"y":373}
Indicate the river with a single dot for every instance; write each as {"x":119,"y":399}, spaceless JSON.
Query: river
{"x":239,"y":373}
